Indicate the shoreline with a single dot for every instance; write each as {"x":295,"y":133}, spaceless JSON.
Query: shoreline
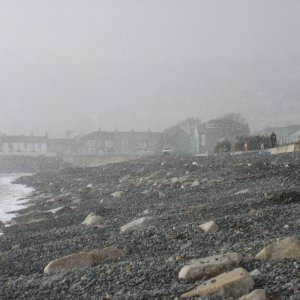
{"x":238,"y":193}
{"x":14,"y":196}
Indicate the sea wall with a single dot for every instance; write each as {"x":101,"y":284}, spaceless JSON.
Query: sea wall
{"x":96,"y":160}
{"x":30,"y":164}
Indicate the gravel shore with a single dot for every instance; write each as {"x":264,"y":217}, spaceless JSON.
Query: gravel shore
{"x":254,"y":200}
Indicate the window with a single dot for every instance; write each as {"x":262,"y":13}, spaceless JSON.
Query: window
{"x":124,"y":146}
{"x":91,"y":143}
{"x":142,"y":145}
{"x":108,"y":144}
{"x":211,"y":125}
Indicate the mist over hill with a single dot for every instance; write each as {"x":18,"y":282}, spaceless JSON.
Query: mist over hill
{"x":90,"y":65}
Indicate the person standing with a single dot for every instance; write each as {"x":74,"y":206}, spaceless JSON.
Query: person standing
{"x":273,"y":140}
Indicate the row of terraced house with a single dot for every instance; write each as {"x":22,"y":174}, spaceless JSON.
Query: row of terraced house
{"x":203,"y":139}
{"x":95,"y":143}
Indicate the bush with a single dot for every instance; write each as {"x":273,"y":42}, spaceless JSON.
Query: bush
{"x":223,"y":146}
{"x":254,"y":142}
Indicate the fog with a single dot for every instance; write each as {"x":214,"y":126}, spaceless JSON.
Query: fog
{"x":84,"y":65}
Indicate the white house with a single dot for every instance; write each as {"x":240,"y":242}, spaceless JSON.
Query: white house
{"x":23,"y":145}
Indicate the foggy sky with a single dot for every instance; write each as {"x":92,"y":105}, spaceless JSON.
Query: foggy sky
{"x":84,"y":65}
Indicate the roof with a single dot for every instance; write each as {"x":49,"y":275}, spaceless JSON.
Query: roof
{"x":61,"y":141}
{"x":286,"y":131}
{"x":111,"y":135}
{"x":24,"y":139}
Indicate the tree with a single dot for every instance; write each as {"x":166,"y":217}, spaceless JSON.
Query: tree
{"x":233,"y":124}
{"x":175,"y":137}
{"x":178,"y":136}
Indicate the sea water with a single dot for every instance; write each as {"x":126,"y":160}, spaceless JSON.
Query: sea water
{"x":12,"y":196}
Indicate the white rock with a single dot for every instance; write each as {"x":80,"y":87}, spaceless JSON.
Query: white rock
{"x":233,"y":284}
{"x":55,"y":210}
{"x":93,"y":219}
{"x":286,"y":248}
{"x":90,"y":185}
{"x":241,"y":192}
{"x":258,"y":294}
{"x":195,"y":183}
{"x":161,"y":195}
{"x":208,"y":267}
{"x":136,"y":224}
{"x":83,"y":260}
{"x":256,"y":274}
{"x":174,"y":180}
{"x":184,"y":179}
{"x":145,"y":192}
{"x":209,"y":227}
{"x":118,"y":194}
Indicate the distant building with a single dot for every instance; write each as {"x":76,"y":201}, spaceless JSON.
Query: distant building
{"x":206,"y":135}
{"x":22,"y":145}
{"x":119,"y":143}
{"x":63,"y":146}
{"x":285,"y":135}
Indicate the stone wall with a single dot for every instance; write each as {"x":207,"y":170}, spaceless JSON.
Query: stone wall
{"x":96,"y":160}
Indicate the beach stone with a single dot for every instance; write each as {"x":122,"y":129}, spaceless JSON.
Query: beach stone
{"x":93,"y":219}
{"x":235,"y":283}
{"x":209,"y":227}
{"x":195,"y":183}
{"x":83,"y":260}
{"x":286,"y":248}
{"x":85,"y":190}
{"x":184,"y":179}
{"x":136,"y":224}
{"x":256,"y":274}
{"x":118,"y":194}
{"x":258,"y":294}
{"x":241,"y":192}
{"x":14,"y":247}
{"x":208,"y":267}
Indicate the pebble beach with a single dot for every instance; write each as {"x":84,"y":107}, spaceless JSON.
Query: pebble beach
{"x":149,"y":214}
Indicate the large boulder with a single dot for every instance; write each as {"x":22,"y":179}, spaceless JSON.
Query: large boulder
{"x":83,"y":260}
{"x":258,"y":294}
{"x":235,"y":283}
{"x":209,"y":266}
{"x":136,"y":224}
{"x":209,"y":227}
{"x":286,"y":248}
{"x":93,"y":219}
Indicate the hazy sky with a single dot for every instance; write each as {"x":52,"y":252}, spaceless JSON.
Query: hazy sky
{"x":84,"y":64}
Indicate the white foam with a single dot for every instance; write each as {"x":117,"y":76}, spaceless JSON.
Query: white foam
{"x":12,"y":196}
